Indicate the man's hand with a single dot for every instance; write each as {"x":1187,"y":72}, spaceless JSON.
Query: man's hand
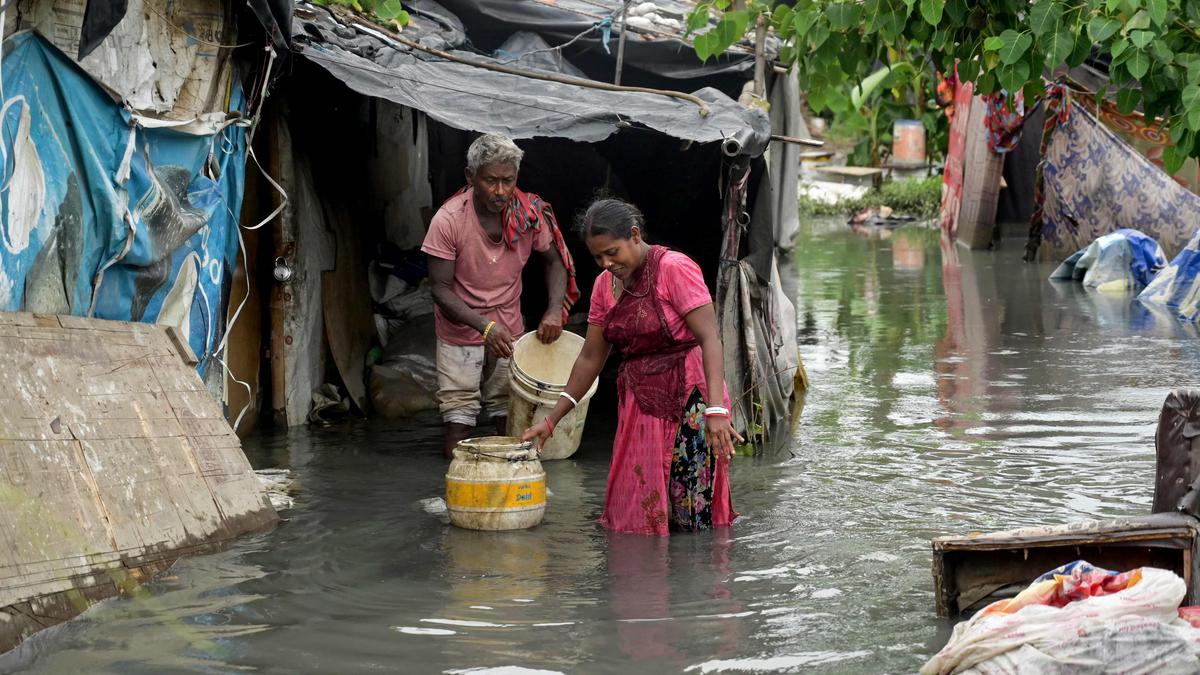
{"x":499,"y":341}
{"x":550,"y":329}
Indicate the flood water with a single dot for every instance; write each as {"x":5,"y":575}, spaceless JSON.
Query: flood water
{"x":951,"y":391}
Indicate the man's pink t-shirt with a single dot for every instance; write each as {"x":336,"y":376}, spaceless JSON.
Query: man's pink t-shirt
{"x":487,"y":274}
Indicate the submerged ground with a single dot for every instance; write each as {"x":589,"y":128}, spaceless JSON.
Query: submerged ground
{"x":951,"y":391}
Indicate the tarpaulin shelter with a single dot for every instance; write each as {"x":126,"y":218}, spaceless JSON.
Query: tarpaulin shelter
{"x":102,"y":16}
{"x":112,"y":215}
{"x":1177,"y":287}
{"x":123,"y":186}
{"x":692,"y":162}
{"x":655,"y":54}
{"x":1091,"y":183}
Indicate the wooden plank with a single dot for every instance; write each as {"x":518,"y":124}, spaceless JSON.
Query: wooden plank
{"x":981,"y":183}
{"x":349,"y":324}
{"x":852,"y":171}
{"x":195,"y":405}
{"x":194,"y":426}
{"x":180,"y":343}
{"x":17,"y":319}
{"x":97,"y":473}
{"x":243,"y":354}
{"x":173,"y":376}
{"x":118,"y":429}
{"x":144,"y":405}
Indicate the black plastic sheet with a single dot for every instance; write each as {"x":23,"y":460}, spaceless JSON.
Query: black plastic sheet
{"x":472,"y":98}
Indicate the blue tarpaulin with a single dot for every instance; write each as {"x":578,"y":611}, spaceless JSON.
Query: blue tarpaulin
{"x":104,"y":214}
{"x":1125,"y":260}
{"x":1178,"y":286}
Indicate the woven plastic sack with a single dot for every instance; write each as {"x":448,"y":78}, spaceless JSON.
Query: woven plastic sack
{"x":1133,"y":627}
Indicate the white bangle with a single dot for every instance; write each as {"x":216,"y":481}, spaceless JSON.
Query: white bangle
{"x":716,"y":410}
{"x":569,"y":398}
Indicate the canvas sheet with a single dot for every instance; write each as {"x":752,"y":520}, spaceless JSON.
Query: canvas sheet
{"x":100,"y":216}
{"x":1177,"y":287}
{"x":1093,"y":183}
{"x":468,"y":97}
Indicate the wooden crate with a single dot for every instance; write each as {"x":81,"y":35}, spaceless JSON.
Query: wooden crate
{"x":970,"y":572}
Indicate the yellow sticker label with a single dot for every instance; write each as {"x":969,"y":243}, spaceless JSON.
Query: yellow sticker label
{"x":515,"y":495}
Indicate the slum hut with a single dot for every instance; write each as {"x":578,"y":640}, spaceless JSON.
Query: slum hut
{"x":367,"y":137}
{"x":124,"y":135}
{"x":656,"y":54}
{"x":129,"y":122}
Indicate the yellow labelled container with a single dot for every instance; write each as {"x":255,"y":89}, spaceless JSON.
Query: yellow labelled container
{"x":537,"y":374}
{"x":495,"y":483}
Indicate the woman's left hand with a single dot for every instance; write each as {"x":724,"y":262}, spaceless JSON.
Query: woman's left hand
{"x":721,"y":436}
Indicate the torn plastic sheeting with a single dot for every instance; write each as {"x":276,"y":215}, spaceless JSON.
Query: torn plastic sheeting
{"x":149,"y":59}
{"x":470,"y":98}
{"x":101,"y":17}
{"x":524,"y":49}
{"x":176,"y":266}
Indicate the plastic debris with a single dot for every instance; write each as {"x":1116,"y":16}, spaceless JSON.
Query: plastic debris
{"x":277,"y":483}
{"x":434,"y":506}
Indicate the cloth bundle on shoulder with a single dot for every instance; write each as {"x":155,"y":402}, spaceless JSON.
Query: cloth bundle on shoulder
{"x":527,"y":211}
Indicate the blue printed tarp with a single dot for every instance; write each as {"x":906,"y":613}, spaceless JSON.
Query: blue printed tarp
{"x":1125,"y":260}
{"x":1094,"y":183}
{"x":1177,"y":287}
{"x":104,"y":215}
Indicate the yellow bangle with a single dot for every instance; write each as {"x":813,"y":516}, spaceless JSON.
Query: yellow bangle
{"x":487,"y":329}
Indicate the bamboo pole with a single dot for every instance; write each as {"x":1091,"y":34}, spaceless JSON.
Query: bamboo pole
{"x":760,"y":59}
{"x":621,"y":44}
{"x":794,"y":140}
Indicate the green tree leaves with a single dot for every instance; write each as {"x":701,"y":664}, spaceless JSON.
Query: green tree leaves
{"x":1154,"y":47}
{"x":1045,"y":16}
{"x":730,"y":29}
{"x":931,"y":11}
{"x":1101,"y":28}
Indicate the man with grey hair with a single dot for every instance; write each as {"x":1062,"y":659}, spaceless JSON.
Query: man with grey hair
{"x":478,"y":244}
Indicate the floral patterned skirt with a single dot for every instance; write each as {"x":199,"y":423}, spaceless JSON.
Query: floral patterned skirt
{"x":692,"y":472}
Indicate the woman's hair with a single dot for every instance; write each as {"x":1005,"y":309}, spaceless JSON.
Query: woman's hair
{"x":613,"y":217}
{"x":493,"y":149}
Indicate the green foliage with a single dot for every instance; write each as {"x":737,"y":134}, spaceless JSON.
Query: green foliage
{"x":921,"y":198}
{"x":387,"y":12}
{"x":998,"y":44}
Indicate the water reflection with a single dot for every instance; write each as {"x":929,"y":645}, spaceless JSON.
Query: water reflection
{"x":951,"y":391}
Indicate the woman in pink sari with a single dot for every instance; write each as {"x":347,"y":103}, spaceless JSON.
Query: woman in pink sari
{"x":670,"y":464}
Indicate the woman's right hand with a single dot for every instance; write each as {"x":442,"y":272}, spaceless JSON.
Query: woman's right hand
{"x":539,"y":432}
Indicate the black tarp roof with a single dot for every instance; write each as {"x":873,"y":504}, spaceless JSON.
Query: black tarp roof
{"x":471,"y":98}
{"x":659,"y":50}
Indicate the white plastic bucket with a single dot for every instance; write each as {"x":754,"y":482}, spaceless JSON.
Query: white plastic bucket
{"x":495,"y":483}
{"x":537,"y":374}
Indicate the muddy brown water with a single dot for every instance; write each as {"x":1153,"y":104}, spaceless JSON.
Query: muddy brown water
{"x":951,"y":391}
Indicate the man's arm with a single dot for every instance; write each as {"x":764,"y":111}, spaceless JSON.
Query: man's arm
{"x":551,"y":326}
{"x":441,"y":274}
